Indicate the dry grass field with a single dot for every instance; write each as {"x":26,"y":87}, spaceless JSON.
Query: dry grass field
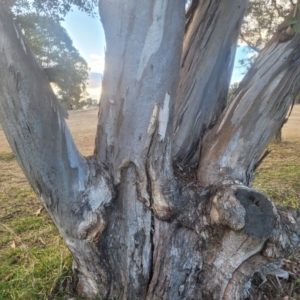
{"x":82,"y":124}
{"x":279,"y":174}
{"x":34,"y":262}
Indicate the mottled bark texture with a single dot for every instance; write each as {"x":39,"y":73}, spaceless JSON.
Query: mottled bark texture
{"x":233,"y":147}
{"x":206,"y":64}
{"x":141,"y":221}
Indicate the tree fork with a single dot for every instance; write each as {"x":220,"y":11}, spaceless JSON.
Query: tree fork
{"x":136,"y":225}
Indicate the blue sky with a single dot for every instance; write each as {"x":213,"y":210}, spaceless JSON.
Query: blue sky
{"x":238,"y":72}
{"x":88,"y":37}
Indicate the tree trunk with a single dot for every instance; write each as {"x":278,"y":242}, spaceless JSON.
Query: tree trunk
{"x":139,"y":224}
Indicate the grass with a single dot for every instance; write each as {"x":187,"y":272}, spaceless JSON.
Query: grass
{"x":33,"y":256}
{"x":34,"y":261}
{"x":7,"y":156}
{"x":279,"y":174}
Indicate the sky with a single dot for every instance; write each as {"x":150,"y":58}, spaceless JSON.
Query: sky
{"x":89,"y":39}
{"x":239,"y":72}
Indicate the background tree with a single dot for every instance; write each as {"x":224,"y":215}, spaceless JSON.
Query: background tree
{"x":262,"y":20}
{"x":232,"y":91}
{"x":58,"y":57}
{"x":164,"y":209}
{"x":56,"y":9}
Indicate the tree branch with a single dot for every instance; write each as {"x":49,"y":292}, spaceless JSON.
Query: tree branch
{"x":249,"y":44}
{"x":33,"y":121}
{"x":139,"y":87}
{"x":139,"y":79}
{"x":233,"y":147}
{"x":209,"y":48}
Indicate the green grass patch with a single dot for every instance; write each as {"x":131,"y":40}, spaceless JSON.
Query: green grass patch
{"x":7,"y":156}
{"x":34,"y":260}
{"x":29,"y":223}
{"x":32,"y":273}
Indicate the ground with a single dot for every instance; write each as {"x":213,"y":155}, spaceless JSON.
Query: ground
{"x":35,"y":263}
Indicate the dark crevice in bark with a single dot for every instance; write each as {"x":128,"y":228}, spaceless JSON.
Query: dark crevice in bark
{"x":190,"y":91}
{"x":152,"y":250}
{"x":192,"y":151}
{"x":152,"y":226}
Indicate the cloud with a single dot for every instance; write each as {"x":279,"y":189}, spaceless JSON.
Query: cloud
{"x":251,"y":55}
{"x":94,"y":85}
{"x":94,"y":93}
{"x":95,"y":80}
{"x":96,"y":63}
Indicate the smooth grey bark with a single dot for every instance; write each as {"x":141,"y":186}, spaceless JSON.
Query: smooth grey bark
{"x":140,"y":226}
{"x":42,"y":141}
{"x":139,"y":81}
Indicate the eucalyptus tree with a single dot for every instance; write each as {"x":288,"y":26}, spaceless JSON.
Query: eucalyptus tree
{"x":164,"y":209}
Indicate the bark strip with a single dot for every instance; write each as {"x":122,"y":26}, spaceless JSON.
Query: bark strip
{"x":206,"y":65}
{"x":234,"y":146}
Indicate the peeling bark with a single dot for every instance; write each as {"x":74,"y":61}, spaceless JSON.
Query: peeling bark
{"x":139,"y":79}
{"x":139,"y":90}
{"x":233,"y":147}
{"x":206,"y":64}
